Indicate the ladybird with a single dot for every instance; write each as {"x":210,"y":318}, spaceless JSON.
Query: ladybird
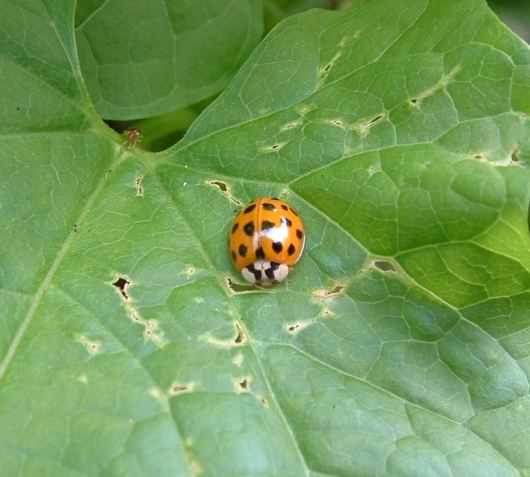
{"x":266,"y":240}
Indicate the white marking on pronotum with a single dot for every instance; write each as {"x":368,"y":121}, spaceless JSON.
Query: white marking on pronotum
{"x":239,"y":339}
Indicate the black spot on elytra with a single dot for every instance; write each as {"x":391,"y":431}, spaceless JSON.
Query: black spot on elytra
{"x":284,"y":207}
{"x":267,"y":224}
{"x":250,"y":208}
{"x":268,"y":206}
{"x":287,"y":221}
{"x":234,"y":228}
{"x":260,"y":254}
{"x":291,"y":249}
{"x":234,"y":256}
{"x":299,"y":234}
{"x":242,"y":250}
{"x":249,"y":228}
{"x":277,"y":247}
{"x":294,"y":212}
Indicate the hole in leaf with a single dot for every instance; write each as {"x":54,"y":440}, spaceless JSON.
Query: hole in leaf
{"x":238,"y":287}
{"x":122,"y":284}
{"x":384,"y":266}
{"x":375,"y":120}
{"x":220,"y":184}
{"x":178,"y":388}
{"x":325,"y":293}
{"x":240,"y":334}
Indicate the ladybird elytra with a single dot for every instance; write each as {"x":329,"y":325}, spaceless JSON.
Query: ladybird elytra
{"x":267,"y":239}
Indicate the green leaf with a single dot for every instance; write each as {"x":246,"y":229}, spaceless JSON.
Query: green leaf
{"x":398,"y":346}
{"x":143,"y":59}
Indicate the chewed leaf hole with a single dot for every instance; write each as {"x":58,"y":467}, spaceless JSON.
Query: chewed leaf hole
{"x":242,"y":384}
{"x":181,"y":388}
{"x":92,"y":347}
{"x":376,"y":119}
{"x":240,"y":334}
{"x":224,"y":187}
{"x":220,"y":184}
{"x":297,"y":326}
{"x":121,"y":285}
{"x":326,"y":293}
{"x":275,"y":147}
{"x":235,"y":287}
{"x":384,"y":265}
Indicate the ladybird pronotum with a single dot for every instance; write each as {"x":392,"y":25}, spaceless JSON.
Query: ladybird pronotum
{"x":266,"y":240}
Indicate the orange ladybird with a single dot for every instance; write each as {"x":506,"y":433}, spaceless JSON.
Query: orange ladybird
{"x":266,"y":240}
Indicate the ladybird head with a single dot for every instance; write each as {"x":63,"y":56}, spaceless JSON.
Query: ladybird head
{"x":264,"y":272}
